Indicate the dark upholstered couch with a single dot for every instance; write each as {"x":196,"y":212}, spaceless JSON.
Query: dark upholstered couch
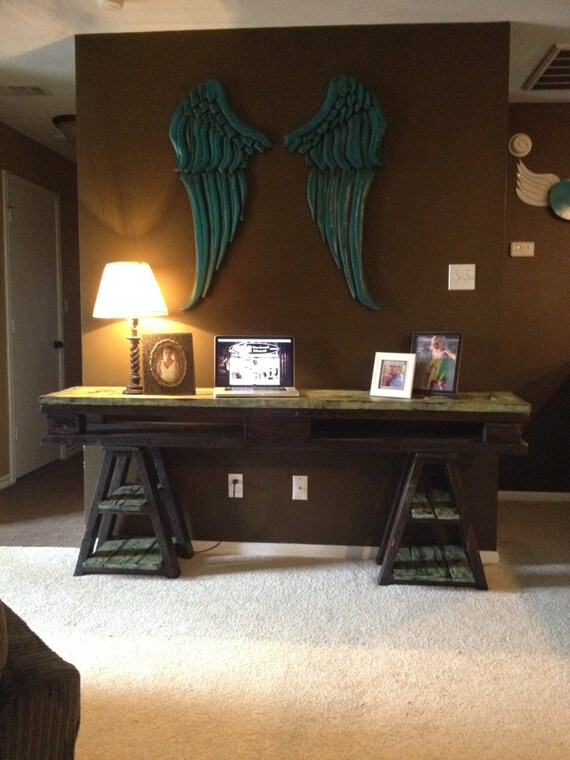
{"x":39,"y":696}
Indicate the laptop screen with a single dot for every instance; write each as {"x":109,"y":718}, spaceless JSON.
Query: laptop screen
{"x":253,"y":361}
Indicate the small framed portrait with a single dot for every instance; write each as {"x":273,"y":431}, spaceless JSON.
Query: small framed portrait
{"x":437,"y":361}
{"x":393,"y":375}
{"x":168,"y":364}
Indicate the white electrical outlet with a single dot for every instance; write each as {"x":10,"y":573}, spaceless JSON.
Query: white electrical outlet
{"x":520,"y":248}
{"x":300,"y":487}
{"x":235,"y":485}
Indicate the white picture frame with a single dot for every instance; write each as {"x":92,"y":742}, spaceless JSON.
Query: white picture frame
{"x":393,"y":375}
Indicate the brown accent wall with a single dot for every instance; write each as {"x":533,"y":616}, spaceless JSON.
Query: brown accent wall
{"x":438,"y":199}
{"x":26,"y":158}
{"x":535,"y":342}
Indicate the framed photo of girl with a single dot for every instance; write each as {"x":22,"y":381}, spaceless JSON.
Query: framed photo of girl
{"x":393,"y":375}
{"x":437,"y":361}
{"x":168,"y":364}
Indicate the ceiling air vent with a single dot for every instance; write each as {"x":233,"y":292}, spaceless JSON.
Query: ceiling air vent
{"x":26,"y":90}
{"x":553,"y":72}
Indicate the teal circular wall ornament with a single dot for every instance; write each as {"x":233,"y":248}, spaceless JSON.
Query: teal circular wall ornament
{"x":559,"y":199}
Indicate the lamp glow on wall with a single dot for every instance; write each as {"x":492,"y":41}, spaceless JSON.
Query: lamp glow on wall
{"x":129,"y":290}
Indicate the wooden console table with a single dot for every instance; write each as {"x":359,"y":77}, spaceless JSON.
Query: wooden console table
{"x":136,"y":428}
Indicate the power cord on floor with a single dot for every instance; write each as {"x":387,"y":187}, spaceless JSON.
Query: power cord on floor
{"x":231,"y":513}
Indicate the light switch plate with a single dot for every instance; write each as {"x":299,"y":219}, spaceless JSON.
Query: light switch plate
{"x":461,"y":277}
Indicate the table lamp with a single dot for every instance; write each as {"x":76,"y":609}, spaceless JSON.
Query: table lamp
{"x":129,"y":290}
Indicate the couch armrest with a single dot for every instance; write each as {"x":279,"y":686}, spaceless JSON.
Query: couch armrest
{"x":3,"y":638}
{"x":39,"y":698}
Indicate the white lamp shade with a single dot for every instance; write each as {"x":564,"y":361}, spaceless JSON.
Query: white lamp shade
{"x":128,"y":289}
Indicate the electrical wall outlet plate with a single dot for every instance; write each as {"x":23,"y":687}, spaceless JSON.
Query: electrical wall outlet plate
{"x":461,"y":277}
{"x":300,"y":488}
{"x":521,"y":248}
{"x":235,"y":485}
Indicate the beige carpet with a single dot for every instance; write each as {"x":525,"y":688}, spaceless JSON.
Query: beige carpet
{"x":261,"y":658}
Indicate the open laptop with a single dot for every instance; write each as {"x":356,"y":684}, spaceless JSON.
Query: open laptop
{"x":256,"y":365}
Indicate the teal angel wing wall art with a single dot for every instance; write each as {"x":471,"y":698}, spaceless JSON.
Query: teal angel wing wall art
{"x":341,"y":145}
{"x":213,"y":147}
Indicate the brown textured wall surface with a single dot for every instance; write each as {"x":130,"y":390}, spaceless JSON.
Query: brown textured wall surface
{"x":535,"y":323}
{"x":437,"y":199}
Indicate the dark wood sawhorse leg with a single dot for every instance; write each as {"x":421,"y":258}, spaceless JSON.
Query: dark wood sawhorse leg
{"x":401,"y":516}
{"x":152,"y":497}
{"x":178,"y":525}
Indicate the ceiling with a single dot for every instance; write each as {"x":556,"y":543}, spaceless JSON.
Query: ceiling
{"x":37,"y":39}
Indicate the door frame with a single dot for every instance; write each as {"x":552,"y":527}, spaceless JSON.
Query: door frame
{"x":8,"y":308}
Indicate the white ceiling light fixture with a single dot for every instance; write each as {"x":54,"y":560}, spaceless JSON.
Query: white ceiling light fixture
{"x":111,"y":5}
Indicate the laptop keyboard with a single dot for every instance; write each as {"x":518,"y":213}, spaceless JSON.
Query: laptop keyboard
{"x":254,"y":389}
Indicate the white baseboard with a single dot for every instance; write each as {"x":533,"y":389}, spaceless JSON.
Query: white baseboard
{"x":72,"y":449}
{"x":319,"y":551}
{"x":534,"y":496}
{"x":314,"y":551}
{"x":5,"y":482}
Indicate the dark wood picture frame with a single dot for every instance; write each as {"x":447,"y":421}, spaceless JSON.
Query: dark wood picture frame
{"x":438,"y":357}
{"x":168,"y":364}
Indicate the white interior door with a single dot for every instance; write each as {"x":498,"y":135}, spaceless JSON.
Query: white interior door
{"x":35,"y":362}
